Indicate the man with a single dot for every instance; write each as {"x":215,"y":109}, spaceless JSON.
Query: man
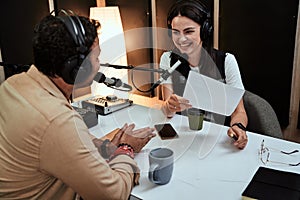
{"x":46,"y":150}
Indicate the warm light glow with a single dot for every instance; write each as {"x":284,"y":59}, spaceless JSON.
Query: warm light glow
{"x":110,"y":19}
{"x":51,"y":6}
{"x":112,"y":44}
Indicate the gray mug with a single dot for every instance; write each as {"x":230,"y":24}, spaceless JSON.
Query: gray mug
{"x":161,"y":161}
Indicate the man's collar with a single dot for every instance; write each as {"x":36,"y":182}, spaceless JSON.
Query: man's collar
{"x":45,"y":82}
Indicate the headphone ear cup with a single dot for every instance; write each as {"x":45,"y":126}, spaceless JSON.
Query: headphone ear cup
{"x":206,"y":30}
{"x":76,"y":69}
{"x":69,"y":71}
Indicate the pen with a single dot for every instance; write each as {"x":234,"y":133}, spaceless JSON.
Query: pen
{"x":233,"y":136}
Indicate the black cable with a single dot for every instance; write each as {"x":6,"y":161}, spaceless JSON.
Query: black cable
{"x":116,"y":88}
{"x":143,"y":91}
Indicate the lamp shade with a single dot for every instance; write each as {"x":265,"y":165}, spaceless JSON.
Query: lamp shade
{"x":113,"y":49}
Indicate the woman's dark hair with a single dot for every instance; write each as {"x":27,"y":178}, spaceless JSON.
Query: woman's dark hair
{"x":53,"y":44}
{"x":211,"y":59}
{"x":196,"y":11}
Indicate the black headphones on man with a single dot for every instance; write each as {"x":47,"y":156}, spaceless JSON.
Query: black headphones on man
{"x":206,"y":28}
{"x":76,"y":67}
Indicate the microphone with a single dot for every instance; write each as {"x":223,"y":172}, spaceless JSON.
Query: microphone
{"x":113,"y":82}
{"x":166,"y":74}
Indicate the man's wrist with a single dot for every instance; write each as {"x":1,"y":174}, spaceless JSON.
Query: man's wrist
{"x":125,"y":149}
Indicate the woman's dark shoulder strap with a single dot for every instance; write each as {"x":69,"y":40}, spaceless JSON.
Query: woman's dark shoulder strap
{"x":219,"y":58}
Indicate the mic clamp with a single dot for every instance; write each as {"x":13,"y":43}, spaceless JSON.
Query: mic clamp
{"x":165,"y":75}
{"x":117,"y":82}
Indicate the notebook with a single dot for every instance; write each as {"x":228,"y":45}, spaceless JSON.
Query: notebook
{"x":273,"y":184}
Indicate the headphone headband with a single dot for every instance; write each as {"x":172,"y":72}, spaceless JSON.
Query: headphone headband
{"x":75,"y":28}
{"x":75,"y":67}
{"x":206,"y":27}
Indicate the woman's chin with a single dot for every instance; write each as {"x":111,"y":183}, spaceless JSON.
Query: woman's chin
{"x":185,"y":51}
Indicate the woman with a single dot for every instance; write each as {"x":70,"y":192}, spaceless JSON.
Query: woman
{"x":190,"y":26}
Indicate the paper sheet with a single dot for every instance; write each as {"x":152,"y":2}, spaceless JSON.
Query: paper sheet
{"x":211,"y":95}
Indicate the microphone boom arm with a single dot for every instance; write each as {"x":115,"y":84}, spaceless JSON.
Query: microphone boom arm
{"x":133,"y":68}
{"x":116,"y":66}
{"x":161,"y":71}
{"x":164,"y":76}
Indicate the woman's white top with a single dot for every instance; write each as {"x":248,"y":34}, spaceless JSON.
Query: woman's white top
{"x":232,"y":72}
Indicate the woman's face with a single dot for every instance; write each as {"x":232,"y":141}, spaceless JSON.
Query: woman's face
{"x":186,"y":35}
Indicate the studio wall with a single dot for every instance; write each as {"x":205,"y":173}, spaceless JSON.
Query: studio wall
{"x":17,"y":22}
{"x":261,"y":34}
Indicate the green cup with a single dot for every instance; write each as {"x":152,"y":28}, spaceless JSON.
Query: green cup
{"x":195,"y":117}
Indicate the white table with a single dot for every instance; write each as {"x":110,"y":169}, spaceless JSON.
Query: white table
{"x":207,"y":165}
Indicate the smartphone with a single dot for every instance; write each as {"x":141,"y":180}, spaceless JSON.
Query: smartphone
{"x":166,"y":131}
{"x":132,"y":197}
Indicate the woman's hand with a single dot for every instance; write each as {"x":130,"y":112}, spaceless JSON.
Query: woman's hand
{"x":239,"y":136}
{"x":239,"y":116}
{"x":175,"y":104}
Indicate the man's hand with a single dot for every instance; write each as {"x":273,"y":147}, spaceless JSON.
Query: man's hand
{"x":135,"y":138}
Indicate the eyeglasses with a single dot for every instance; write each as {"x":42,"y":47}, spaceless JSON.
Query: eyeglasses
{"x":264,"y":154}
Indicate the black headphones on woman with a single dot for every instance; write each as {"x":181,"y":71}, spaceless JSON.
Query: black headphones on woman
{"x":76,"y":67}
{"x":206,"y":28}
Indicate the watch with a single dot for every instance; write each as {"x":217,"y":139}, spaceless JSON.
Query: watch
{"x":240,"y":125}
{"x":104,"y":148}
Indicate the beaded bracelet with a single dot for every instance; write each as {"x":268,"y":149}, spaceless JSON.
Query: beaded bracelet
{"x":123,"y":149}
{"x":125,"y":144}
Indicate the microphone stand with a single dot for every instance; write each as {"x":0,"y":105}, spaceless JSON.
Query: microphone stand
{"x":131,"y":67}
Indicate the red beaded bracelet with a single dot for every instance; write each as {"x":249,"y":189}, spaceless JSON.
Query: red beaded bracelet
{"x":123,"y":149}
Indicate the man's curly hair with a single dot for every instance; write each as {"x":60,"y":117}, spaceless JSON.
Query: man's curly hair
{"x":53,"y":44}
